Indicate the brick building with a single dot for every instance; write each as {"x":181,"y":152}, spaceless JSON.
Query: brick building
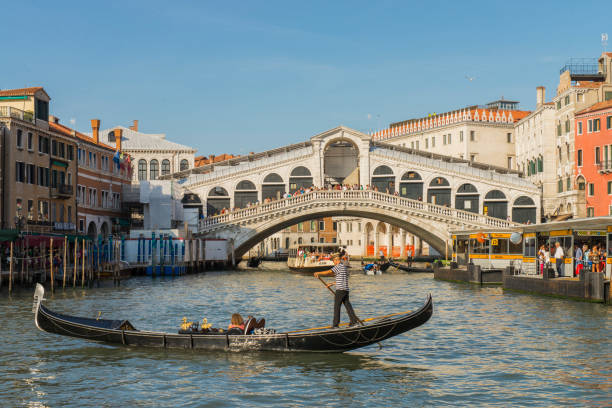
{"x":101,"y":175}
{"x":593,"y":158}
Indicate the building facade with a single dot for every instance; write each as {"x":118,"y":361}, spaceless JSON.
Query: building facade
{"x":480,"y":134}
{"x":535,"y":150}
{"x":102,"y":172}
{"x":593,"y":159}
{"x":39,"y":169}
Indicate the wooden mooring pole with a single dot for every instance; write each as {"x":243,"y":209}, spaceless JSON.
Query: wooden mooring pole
{"x":51,"y":265}
{"x":83,"y":264}
{"x":11,"y":270}
{"x":65,"y":242}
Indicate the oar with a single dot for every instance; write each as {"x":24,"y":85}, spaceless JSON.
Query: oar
{"x":334,"y":293}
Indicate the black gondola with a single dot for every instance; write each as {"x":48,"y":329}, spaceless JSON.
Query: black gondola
{"x":254,"y":261}
{"x":384,"y":266}
{"x":407,"y":268}
{"x":321,"y":339}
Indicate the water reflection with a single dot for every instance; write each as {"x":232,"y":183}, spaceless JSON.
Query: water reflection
{"x":481,"y":347}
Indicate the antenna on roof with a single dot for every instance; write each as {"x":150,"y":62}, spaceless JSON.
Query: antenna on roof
{"x":604,"y":41}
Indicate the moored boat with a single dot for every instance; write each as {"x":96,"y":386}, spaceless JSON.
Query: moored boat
{"x":319,"y":339}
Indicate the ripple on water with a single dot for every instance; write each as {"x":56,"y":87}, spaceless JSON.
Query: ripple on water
{"x":481,"y":347}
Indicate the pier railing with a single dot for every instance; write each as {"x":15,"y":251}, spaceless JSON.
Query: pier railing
{"x":351,"y":197}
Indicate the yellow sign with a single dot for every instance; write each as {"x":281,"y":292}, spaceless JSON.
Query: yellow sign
{"x":479,"y":256}
{"x":528,"y":260}
{"x":494,"y":242}
{"x":590,"y":233}
{"x":560,"y":233}
{"x":529,"y":235}
{"x":485,"y":236}
{"x":500,"y":235}
{"x":610,"y":228}
{"x":506,"y":256}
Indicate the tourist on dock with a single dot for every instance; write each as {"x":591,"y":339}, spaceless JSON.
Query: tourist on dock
{"x":542,"y":258}
{"x":595,"y":258}
{"x":342,"y":291}
{"x":559,"y":255}
{"x":578,"y":258}
{"x":236,"y":322}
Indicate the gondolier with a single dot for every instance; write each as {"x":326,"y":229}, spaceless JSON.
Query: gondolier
{"x":342,"y":291}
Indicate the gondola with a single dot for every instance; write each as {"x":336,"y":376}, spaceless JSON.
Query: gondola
{"x":254,"y":261}
{"x":320,"y":339}
{"x":407,"y":268}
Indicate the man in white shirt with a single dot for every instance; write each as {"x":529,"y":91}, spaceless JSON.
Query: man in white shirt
{"x":559,"y":257}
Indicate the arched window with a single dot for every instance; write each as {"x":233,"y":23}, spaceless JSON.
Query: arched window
{"x":184,"y":164}
{"x":217,"y":200}
{"x":439,"y":192}
{"x":300,"y":177}
{"x":495,"y":204}
{"x":165,"y":169}
{"x":154,"y":169}
{"x":245,"y":194}
{"x":524,"y":210}
{"x":142,"y":169}
{"x":467,"y":198}
{"x":272,"y":187}
{"x":383,"y":179}
{"x":411,"y":186}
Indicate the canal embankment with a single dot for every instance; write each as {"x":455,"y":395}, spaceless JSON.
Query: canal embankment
{"x":588,"y":286}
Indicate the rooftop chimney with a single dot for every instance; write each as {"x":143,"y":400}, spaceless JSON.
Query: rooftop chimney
{"x":540,"y":96}
{"x":118,"y":134}
{"x":95,"y":128}
{"x":53,"y":119}
{"x":134,"y":126}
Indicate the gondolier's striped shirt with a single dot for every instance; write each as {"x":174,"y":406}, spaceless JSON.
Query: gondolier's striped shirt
{"x":342,"y":276}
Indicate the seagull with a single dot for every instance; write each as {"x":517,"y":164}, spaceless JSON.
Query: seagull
{"x":469,"y":78}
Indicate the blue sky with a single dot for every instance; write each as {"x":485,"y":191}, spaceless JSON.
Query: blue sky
{"x":248,"y":76}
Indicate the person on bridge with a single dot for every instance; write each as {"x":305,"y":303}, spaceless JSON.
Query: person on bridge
{"x":342,"y":291}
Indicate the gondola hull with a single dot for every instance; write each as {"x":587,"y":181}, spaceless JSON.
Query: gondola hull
{"x":311,"y":340}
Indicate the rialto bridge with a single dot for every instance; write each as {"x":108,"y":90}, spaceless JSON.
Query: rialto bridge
{"x":423,"y":193}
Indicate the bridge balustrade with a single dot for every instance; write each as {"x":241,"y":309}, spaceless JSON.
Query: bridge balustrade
{"x":352,"y":196}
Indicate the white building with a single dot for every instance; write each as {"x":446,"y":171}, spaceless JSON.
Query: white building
{"x":535,"y":150}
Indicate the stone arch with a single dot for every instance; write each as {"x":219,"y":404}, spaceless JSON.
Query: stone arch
{"x":341,"y":162}
{"x":92,"y":230}
{"x":434,"y":234}
{"x":217,"y":200}
{"x":581,"y":183}
{"x":467,"y":198}
{"x":300,"y":177}
{"x":272,"y":186}
{"x":496,"y":204}
{"x":381,"y":238}
{"x":439,"y":191}
{"x":383,"y":179}
{"x":184,"y":165}
{"x":245,"y":194}
{"x":411,"y":185}
{"x":104,"y":230}
{"x":524,"y":210}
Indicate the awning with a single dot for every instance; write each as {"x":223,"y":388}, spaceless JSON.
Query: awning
{"x":8,"y":235}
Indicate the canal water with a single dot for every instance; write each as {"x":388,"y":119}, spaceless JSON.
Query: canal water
{"x":482,"y":347}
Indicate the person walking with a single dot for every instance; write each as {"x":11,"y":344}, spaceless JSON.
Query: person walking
{"x":559,"y":254}
{"x":342,"y":291}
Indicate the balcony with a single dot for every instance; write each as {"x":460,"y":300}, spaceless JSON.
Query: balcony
{"x":605,"y":167}
{"x":10,"y":112}
{"x":583,"y":69}
{"x":61,"y":191}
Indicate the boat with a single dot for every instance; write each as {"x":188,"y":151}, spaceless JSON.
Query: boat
{"x":318,"y":339}
{"x":310,"y":258}
{"x":407,"y":268}
{"x":254,"y":261}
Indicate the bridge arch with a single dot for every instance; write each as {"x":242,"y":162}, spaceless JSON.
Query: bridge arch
{"x":245,"y":193}
{"x":272,"y":187}
{"x":496,"y":204}
{"x":217,"y":200}
{"x":383,"y":179}
{"x":299,"y":177}
{"x":411,"y":185}
{"x":524,"y":210}
{"x":439,"y":191}
{"x":467,"y":198}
